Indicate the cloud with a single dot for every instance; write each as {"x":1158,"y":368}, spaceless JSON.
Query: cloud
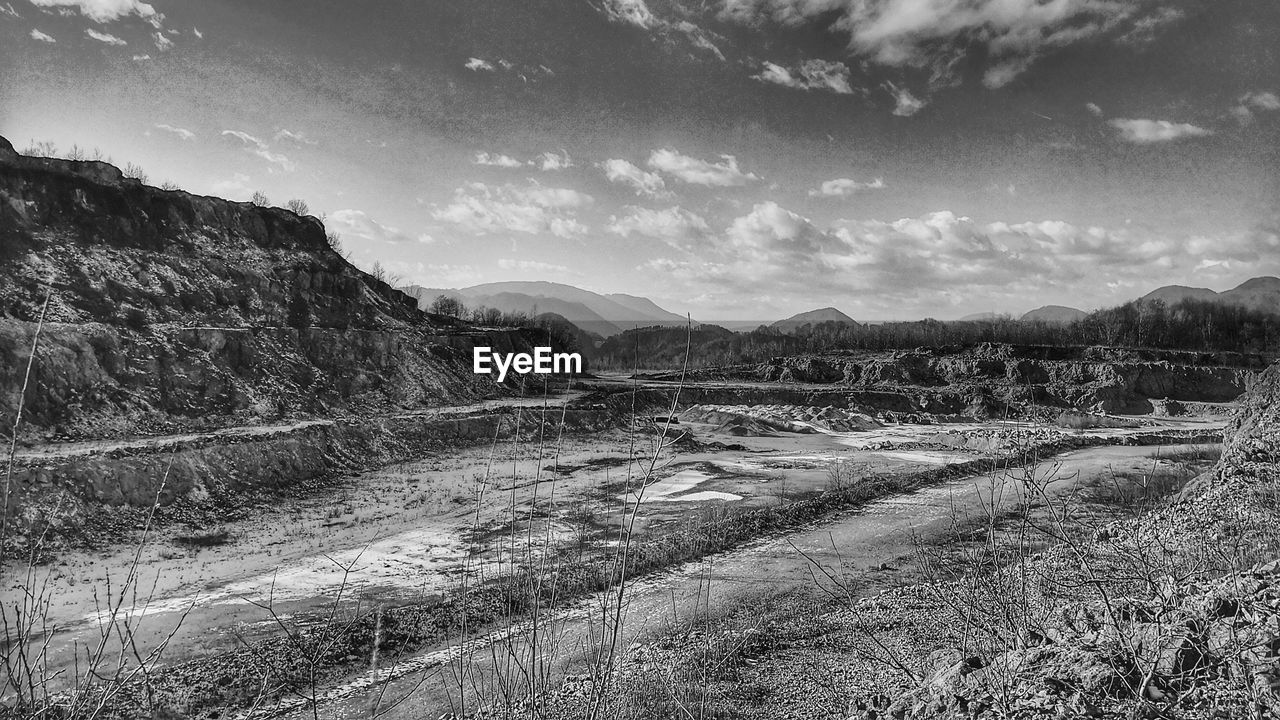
{"x":141,"y":58}
{"x":643,"y":183}
{"x":104,"y":37}
{"x":534,"y":209}
{"x":1145,"y":28}
{"x":350,"y":223}
{"x":935,"y":34}
{"x":259,"y":148}
{"x":496,"y":160}
{"x":630,"y":12}
{"x":1255,"y":100}
{"x":7,"y":9}
{"x":1146,"y":132}
{"x":196,"y":31}
{"x":476,"y":64}
{"x":1094,"y":110}
{"x":297,"y":138}
{"x":37,"y":35}
{"x":920,"y":262}
{"x":162,"y":42}
{"x":905,"y":104}
{"x":812,"y":74}
{"x":182,"y":133}
{"x":700,"y":172}
{"x":674,"y":225}
{"x":1261,"y":100}
{"x":533,"y":266}
{"x":844,"y":187}
{"x":103,"y":11}
{"x":552,"y":161}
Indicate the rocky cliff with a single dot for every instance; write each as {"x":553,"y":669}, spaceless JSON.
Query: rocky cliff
{"x":168,"y":311}
{"x":989,"y":377}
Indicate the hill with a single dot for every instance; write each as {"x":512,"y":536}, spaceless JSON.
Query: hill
{"x":1260,"y":293}
{"x":1054,"y":315}
{"x":812,"y":317}
{"x":170,"y":312}
{"x":602,"y":314}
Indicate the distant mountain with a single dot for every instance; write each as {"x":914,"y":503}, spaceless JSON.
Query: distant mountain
{"x":1260,"y":293}
{"x":981,"y":316}
{"x":647,"y":307}
{"x":1171,"y":294}
{"x":813,"y":317}
{"x":1054,"y":314}
{"x":604,"y":315}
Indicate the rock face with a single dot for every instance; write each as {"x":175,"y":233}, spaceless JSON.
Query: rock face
{"x":168,"y":311}
{"x":991,"y":377}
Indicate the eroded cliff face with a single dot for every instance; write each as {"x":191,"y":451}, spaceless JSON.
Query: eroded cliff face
{"x":988,"y":378}
{"x":168,"y":311}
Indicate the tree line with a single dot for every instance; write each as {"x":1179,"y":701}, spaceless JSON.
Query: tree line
{"x":1186,"y":325}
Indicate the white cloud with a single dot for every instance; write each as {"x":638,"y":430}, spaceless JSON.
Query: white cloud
{"x":1261,"y":100}
{"x":141,"y":58}
{"x":259,"y":148}
{"x":182,"y":133}
{"x":630,"y":12}
{"x":496,"y":160}
{"x":1254,"y":100}
{"x":1145,"y":28}
{"x":297,"y":138}
{"x":905,"y":104}
{"x":162,"y":42}
{"x":196,"y":31}
{"x":844,"y":187}
{"x":552,"y":161}
{"x":919,"y":262}
{"x":37,"y":35}
{"x":7,"y":9}
{"x":1093,"y":109}
{"x":812,"y":74}
{"x":700,"y":172}
{"x":350,"y":223}
{"x":102,"y":37}
{"x":1146,"y":132}
{"x":478,"y":64}
{"x":533,"y":266}
{"x":642,"y":182}
{"x":936,"y":33}
{"x":534,"y":209}
{"x":103,"y":11}
{"x":675,"y":226}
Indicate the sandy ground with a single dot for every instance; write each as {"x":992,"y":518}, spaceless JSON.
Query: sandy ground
{"x":847,"y":546}
{"x":407,"y":532}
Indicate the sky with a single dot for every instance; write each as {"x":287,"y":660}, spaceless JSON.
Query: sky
{"x":732,"y":159}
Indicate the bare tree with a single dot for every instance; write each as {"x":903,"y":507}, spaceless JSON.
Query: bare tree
{"x":135,"y":171}
{"x":298,"y":207}
{"x":260,"y":199}
{"x":447,"y":305}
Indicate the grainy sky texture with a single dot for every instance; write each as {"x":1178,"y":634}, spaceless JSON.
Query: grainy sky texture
{"x":730,"y":158}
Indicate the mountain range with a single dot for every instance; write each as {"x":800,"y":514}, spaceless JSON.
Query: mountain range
{"x":604,"y":315}
{"x":1260,"y":293}
{"x":610,"y":314}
